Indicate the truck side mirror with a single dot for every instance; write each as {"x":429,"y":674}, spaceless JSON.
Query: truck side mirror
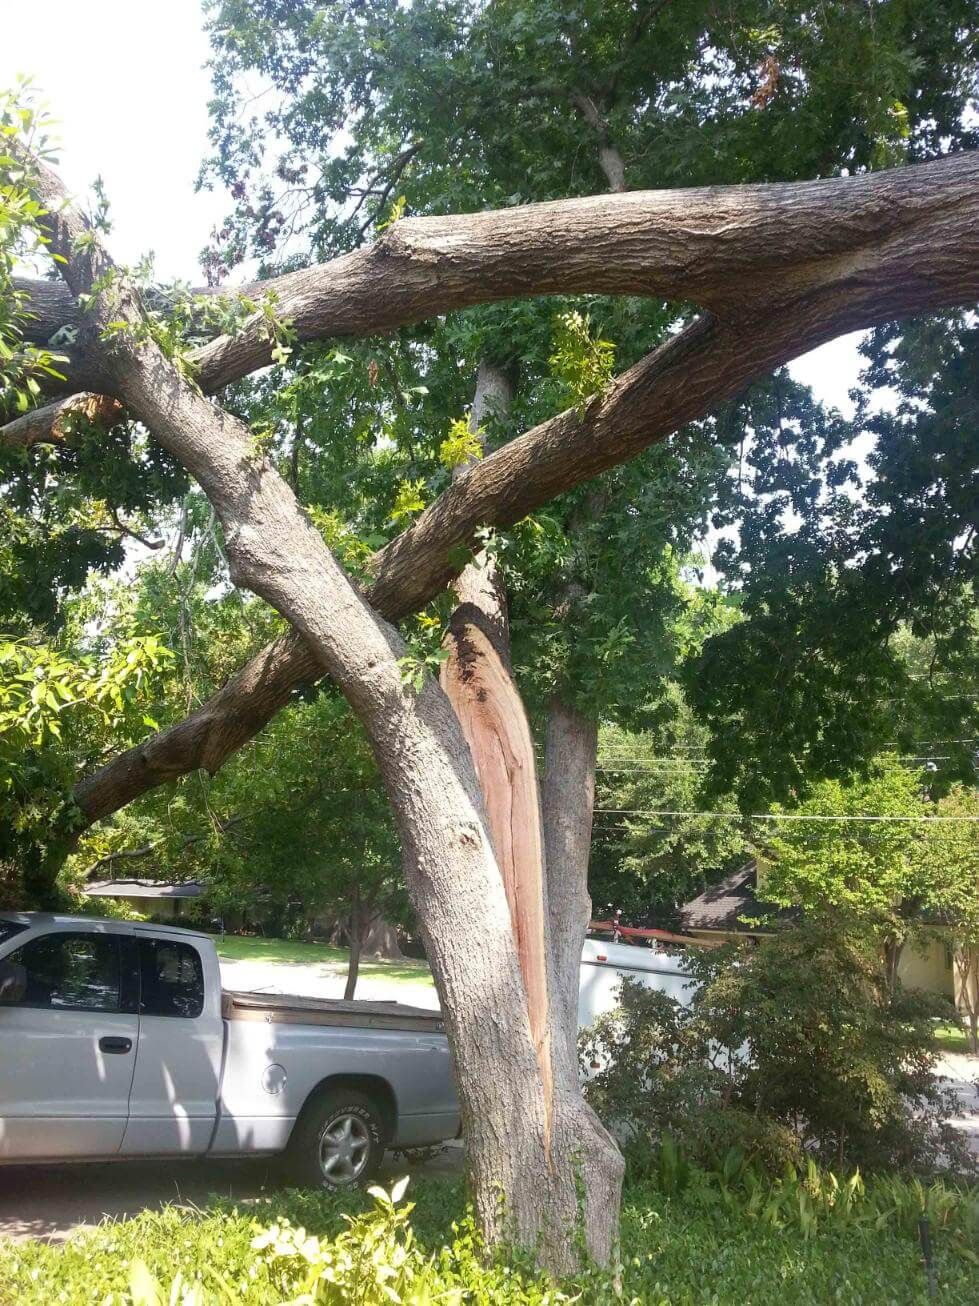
{"x":13,"y":983}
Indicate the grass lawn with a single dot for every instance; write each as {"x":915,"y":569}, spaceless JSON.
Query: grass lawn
{"x":950,"y":1038}
{"x":696,"y":1246}
{"x":239,"y":947}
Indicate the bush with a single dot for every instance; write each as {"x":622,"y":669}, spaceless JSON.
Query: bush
{"x":788,"y":1048}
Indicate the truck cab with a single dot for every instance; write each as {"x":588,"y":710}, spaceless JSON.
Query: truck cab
{"x":116,"y":1041}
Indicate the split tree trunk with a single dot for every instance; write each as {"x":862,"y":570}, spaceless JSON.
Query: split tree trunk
{"x":517,"y":1147}
{"x":580,"y":1154}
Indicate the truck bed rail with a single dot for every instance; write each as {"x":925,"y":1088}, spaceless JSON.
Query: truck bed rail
{"x":289,"y":1009}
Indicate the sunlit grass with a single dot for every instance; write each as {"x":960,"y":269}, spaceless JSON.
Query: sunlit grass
{"x":236,"y":947}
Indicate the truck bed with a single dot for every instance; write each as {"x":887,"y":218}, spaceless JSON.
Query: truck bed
{"x":289,"y":1009}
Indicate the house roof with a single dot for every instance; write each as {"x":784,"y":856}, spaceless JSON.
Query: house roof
{"x":144,"y":889}
{"x":722,"y":906}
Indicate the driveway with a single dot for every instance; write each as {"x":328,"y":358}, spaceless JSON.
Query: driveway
{"x":961,"y":1073}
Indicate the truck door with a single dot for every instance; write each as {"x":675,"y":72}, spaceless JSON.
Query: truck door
{"x":173,"y":1103}
{"x":68,"y":1030}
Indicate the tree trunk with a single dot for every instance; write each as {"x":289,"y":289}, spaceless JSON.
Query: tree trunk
{"x":892,"y":948}
{"x":355,"y":937}
{"x":579,"y":1153}
{"x":381,"y":939}
{"x":966,"y":958}
{"x":570,"y":750}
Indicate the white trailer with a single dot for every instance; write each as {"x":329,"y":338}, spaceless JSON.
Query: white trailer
{"x":605,"y":965}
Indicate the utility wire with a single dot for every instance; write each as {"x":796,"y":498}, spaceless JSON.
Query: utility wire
{"x":786,"y":816}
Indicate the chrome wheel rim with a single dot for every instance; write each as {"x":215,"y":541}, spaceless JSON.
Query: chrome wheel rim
{"x":345,"y":1145}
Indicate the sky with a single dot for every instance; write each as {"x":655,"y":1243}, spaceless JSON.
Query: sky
{"x":126,"y":82}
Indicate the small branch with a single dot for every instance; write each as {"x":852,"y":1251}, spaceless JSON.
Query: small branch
{"x":400,"y":163}
{"x":134,"y":535}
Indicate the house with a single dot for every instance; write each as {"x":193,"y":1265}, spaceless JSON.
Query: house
{"x":729,"y":909}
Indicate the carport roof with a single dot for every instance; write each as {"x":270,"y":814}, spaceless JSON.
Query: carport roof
{"x":144,"y":889}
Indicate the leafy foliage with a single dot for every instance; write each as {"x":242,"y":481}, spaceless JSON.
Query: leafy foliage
{"x":688,"y":1236}
{"x":644,"y":864}
{"x":862,"y":872}
{"x":57,"y":714}
{"x":23,"y":364}
{"x":796,"y":1044}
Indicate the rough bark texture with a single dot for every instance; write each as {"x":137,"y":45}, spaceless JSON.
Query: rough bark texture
{"x":570,"y":748}
{"x":720,"y":247}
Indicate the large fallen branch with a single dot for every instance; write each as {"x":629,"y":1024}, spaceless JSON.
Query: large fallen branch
{"x":718,"y":247}
{"x":781,"y":269}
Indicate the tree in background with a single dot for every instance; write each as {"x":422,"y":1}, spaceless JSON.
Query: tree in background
{"x":645,"y":864}
{"x":950,"y":866}
{"x":856,"y":861}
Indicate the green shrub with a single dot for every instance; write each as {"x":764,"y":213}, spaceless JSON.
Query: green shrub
{"x":794,"y":1047}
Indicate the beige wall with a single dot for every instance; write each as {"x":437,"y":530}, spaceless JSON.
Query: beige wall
{"x":927,"y":965}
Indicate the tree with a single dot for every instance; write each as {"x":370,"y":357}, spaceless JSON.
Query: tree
{"x":950,"y":864}
{"x":853,"y":856}
{"x":810,"y":240}
{"x":645,"y":864}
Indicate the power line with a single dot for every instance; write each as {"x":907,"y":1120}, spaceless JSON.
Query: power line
{"x":785,"y":816}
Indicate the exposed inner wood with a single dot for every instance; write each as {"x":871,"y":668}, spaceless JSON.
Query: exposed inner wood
{"x":491,"y":712}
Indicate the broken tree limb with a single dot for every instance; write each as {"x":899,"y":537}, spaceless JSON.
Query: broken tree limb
{"x":848,"y":254}
{"x":720,"y":247}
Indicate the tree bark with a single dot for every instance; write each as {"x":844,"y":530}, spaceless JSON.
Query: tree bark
{"x":570,"y":750}
{"x":720,"y":247}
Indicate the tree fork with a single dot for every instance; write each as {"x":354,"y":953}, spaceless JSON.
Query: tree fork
{"x":426,"y":765}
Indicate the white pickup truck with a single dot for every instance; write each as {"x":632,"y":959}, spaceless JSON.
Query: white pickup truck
{"x":116,"y":1041}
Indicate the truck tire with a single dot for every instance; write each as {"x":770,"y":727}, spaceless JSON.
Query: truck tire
{"x":338,"y":1141}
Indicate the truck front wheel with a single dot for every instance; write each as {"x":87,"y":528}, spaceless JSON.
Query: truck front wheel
{"x":338,"y":1141}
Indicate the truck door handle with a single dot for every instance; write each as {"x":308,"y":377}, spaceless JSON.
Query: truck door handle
{"x":112,"y":1044}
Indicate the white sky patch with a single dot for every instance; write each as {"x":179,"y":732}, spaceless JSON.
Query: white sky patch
{"x":125,"y":81}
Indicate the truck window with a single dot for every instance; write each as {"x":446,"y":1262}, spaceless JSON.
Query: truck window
{"x":71,"y":971}
{"x":9,"y":928}
{"x":171,"y":979}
